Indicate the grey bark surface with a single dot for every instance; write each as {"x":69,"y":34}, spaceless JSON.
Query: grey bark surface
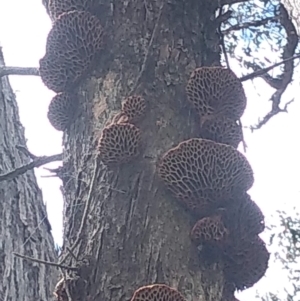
{"x":136,"y":232}
{"x":24,"y":227}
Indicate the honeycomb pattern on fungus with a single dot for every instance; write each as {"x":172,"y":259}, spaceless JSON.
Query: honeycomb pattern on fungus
{"x":209,"y":230}
{"x":62,"y":110}
{"x":214,"y":90}
{"x":222,"y":130}
{"x":73,"y":43}
{"x":199,"y":169}
{"x":244,"y":218}
{"x":57,"y":7}
{"x":157,"y":292}
{"x":246,"y":262}
{"x":134,"y":108}
{"x":119,"y":143}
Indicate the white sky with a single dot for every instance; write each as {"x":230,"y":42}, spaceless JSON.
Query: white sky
{"x":273,"y":151}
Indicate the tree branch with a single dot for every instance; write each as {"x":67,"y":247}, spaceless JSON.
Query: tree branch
{"x":249,"y":24}
{"x":45,"y":262}
{"x":288,"y":69}
{"x":36,"y":162}
{"x":262,"y":71}
{"x":4,"y":71}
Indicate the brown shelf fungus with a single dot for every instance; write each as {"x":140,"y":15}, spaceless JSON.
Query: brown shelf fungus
{"x":73,"y":43}
{"x":222,"y":130}
{"x":134,"y":108}
{"x":215,"y":90}
{"x":119,"y":143}
{"x":246,"y":262}
{"x":57,"y":7}
{"x":210,"y":230}
{"x":200,"y":169}
{"x":62,"y":110}
{"x":243,"y":218}
{"x":157,"y":292}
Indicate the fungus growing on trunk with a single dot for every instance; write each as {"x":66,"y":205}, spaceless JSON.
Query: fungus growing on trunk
{"x":215,"y":90}
{"x":62,"y":110}
{"x":157,"y":292}
{"x":119,"y":143}
{"x":202,"y":171}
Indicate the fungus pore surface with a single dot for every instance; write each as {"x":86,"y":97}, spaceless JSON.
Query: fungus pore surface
{"x":57,"y":7}
{"x":62,"y":110}
{"x":199,"y":170}
{"x":119,"y":143}
{"x":222,"y":130}
{"x":134,"y":108}
{"x":73,"y":43}
{"x":246,"y":262}
{"x":243,"y":218}
{"x":209,"y":230}
{"x":214,"y":90}
{"x":157,"y":292}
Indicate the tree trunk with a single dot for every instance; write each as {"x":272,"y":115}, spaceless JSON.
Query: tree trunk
{"x":24,"y":227}
{"x":135,"y":231}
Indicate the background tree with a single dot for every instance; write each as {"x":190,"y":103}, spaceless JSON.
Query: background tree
{"x":113,"y":188}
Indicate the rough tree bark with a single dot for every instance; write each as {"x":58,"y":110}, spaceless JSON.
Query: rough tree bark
{"x":24,"y":227}
{"x":135,"y":232}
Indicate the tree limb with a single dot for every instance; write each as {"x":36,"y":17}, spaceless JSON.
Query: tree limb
{"x":288,"y":68}
{"x":36,"y":162}
{"x":45,"y":262}
{"x":261,"y":72}
{"x":4,"y":71}
{"x":249,"y":24}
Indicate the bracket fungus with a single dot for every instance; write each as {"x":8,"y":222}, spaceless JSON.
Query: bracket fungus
{"x":210,"y":230}
{"x":58,"y":7}
{"x":222,"y":130}
{"x":243,"y":218}
{"x":157,"y":292}
{"x":214,"y":90}
{"x":62,"y":110}
{"x":246,"y":262}
{"x":198,"y":169}
{"x":119,"y":143}
{"x":134,"y":108}
{"x":73,"y":43}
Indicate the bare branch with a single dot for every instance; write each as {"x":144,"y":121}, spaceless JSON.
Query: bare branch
{"x":288,"y":69}
{"x":45,"y":262}
{"x":224,"y":2}
{"x":249,"y":24}
{"x":19,"y":71}
{"x":261,"y":72}
{"x":36,"y":162}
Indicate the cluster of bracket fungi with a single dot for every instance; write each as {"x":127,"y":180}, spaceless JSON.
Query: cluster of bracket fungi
{"x":73,"y":44}
{"x":208,"y":174}
{"x":211,"y":178}
{"x":120,"y":141}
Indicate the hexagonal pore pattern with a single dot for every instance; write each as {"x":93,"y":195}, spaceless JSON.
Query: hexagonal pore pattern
{"x":243,"y":218}
{"x":134,"y":107}
{"x":199,"y":168}
{"x":214,"y":90}
{"x":72,"y":44}
{"x":57,"y":7}
{"x":157,"y":292}
{"x":222,"y":130}
{"x":246,"y":262}
{"x":119,"y":143}
{"x":209,"y":230}
{"x":61,"y":110}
